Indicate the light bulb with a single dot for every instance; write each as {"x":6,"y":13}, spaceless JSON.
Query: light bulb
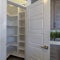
{"x":45,"y":1}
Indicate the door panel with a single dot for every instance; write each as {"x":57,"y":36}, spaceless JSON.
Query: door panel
{"x":34,"y":31}
{"x":38,"y":31}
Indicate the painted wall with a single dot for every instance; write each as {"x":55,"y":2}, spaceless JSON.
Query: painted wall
{"x":3,"y":4}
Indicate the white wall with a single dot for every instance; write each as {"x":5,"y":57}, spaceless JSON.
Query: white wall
{"x":3,"y":8}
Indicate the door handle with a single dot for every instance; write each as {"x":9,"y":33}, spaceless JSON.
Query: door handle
{"x":44,"y":47}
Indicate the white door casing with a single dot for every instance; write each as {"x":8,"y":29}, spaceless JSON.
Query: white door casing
{"x":38,"y":30}
{"x":3,"y":12}
{"x":47,"y":14}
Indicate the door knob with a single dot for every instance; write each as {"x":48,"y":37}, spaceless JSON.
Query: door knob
{"x":44,"y":47}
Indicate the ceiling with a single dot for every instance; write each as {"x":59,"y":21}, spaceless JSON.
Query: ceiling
{"x":13,"y":10}
{"x":23,"y":2}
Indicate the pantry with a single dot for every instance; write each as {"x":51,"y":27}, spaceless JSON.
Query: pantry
{"x":15,"y":30}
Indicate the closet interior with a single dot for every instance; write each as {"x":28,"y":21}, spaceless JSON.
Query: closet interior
{"x":15,"y":30}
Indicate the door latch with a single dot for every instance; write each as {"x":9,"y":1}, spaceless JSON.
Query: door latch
{"x":44,"y":47}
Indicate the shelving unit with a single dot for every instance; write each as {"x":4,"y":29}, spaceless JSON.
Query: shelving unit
{"x":16,"y":31}
{"x":12,"y":30}
{"x":21,"y":53}
{"x":21,"y":49}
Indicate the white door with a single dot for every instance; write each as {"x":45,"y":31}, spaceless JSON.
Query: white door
{"x":38,"y":31}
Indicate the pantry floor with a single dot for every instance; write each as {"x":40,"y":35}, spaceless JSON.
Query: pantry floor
{"x":14,"y":58}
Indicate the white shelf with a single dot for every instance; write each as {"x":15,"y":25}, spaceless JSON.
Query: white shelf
{"x":22,"y":19}
{"x":21,"y":48}
{"x":16,"y":34}
{"x":12,"y":35}
{"x":14,"y":44}
{"x":22,"y":26}
{"x":11,"y":26}
{"x":12,"y":53}
{"x":55,"y":42}
{"x":21,"y":41}
{"x":22,"y":55}
{"x":22,"y":34}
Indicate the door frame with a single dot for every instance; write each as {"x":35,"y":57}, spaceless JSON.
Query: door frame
{"x":3,"y":7}
{"x":47,"y":18}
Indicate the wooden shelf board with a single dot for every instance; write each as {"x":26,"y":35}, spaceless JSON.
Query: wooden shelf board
{"x":21,"y":48}
{"x":21,"y":41}
{"x":22,"y":34}
{"x":12,"y":53}
{"x":14,"y":44}
{"x":21,"y":55}
{"x":11,"y":26}
{"x":13,"y":35}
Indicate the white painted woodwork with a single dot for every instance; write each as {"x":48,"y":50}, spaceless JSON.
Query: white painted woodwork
{"x":38,"y":30}
{"x":3,"y":9}
{"x":16,"y":31}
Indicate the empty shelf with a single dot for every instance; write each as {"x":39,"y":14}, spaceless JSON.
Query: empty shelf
{"x":11,"y":26}
{"x":21,"y":54}
{"x":13,"y":44}
{"x":12,"y":35}
{"x":22,"y":34}
{"x":22,"y":41}
{"x":21,"y":48}
{"x":12,"y":53}
{"x":22,"y":26}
